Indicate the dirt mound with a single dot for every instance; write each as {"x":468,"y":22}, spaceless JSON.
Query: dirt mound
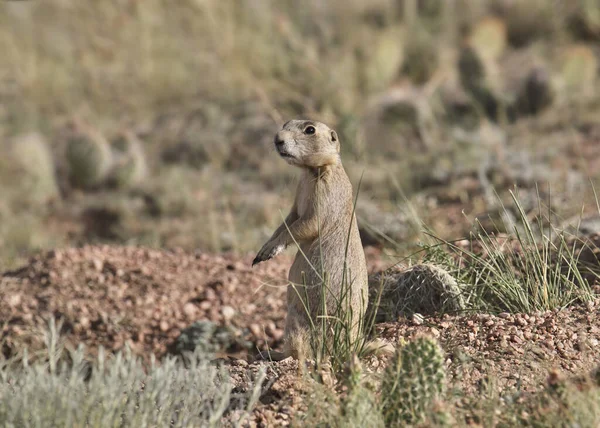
{"x":111,"y":296}
{"x":512,"y":350}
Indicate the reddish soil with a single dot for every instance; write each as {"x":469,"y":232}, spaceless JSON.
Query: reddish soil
{"x":112,"y":296}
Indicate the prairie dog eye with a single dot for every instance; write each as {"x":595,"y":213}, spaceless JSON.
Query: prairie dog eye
{"x":310,"y":130}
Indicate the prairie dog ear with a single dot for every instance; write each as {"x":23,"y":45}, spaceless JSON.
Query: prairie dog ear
{"x":335,"y":139}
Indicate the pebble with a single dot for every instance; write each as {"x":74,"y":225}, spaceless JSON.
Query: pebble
{"x":98,"y":264}
{"x":228,"y":312}
{"x":84,"y":322}
{"x":189,"y":309}
{"x":417,"y":319}
{"x":255,"y":330}
{"x":240,"y":363}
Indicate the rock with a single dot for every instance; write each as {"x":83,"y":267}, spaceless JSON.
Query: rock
{"x":228,"y":313}
{"x":189,"y":309}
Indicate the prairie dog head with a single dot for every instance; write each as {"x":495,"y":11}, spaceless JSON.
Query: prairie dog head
{"x":307,"y":143}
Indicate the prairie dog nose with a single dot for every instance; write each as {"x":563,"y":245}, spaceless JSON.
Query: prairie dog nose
{"x":279,"y":140}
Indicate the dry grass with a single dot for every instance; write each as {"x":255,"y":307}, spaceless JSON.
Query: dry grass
{"x":205,"y":84}
{"x":219,"y":76}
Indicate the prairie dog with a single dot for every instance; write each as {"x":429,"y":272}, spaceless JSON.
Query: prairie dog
{"x":330,"y":261}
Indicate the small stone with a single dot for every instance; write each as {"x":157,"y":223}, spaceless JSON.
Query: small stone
{"x":255,"y":330}
{"x":277,"y":334}
{"x":522,"y":322}
{"x":417,"y":319}
{"x":14,"y":300}
{"x":164,"y":326}
{"x":240,"y":363}
{"x":84,"y":322}
{"x":228,"y":312}
{"x":270,"y":328}
{"x":98,"y":264}
{"x":210,"y":294}
{"x":189,"y":309}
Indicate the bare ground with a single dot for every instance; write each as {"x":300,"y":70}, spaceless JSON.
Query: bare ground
{"x":113,"y":296}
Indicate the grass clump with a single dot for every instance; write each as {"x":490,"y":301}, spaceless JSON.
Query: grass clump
{"x":65,"y":389}
{"x":355,"y":404}
{"x":533,"y":267}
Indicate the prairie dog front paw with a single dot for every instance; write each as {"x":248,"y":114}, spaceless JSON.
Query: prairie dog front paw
{"x":267,"y":252}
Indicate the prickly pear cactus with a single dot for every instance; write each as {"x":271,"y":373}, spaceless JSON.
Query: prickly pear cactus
{"x":414,"y":380}
{"x":488,"y":38}
{"x":89,"y":158}
{"x":129,"y":168}
{"x":423,"y":288}
{"x":31,"y":154}
{"x":579,"y":68}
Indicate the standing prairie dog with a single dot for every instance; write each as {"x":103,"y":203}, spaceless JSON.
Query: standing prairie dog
{"x":330,"y":261}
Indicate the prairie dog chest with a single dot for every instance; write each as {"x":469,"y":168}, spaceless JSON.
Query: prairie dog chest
{"x":305,"y":196}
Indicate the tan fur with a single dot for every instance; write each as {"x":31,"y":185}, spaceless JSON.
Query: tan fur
{"x":321,"y":222}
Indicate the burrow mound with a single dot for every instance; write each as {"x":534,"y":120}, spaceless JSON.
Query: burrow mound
{"x":113,"y":296}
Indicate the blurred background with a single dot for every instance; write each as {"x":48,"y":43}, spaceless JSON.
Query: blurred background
{"x":151,"y":122}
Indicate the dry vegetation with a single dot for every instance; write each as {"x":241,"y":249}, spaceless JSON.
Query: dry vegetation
{"x":150,"y":124}
{"x":175,"y":107}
